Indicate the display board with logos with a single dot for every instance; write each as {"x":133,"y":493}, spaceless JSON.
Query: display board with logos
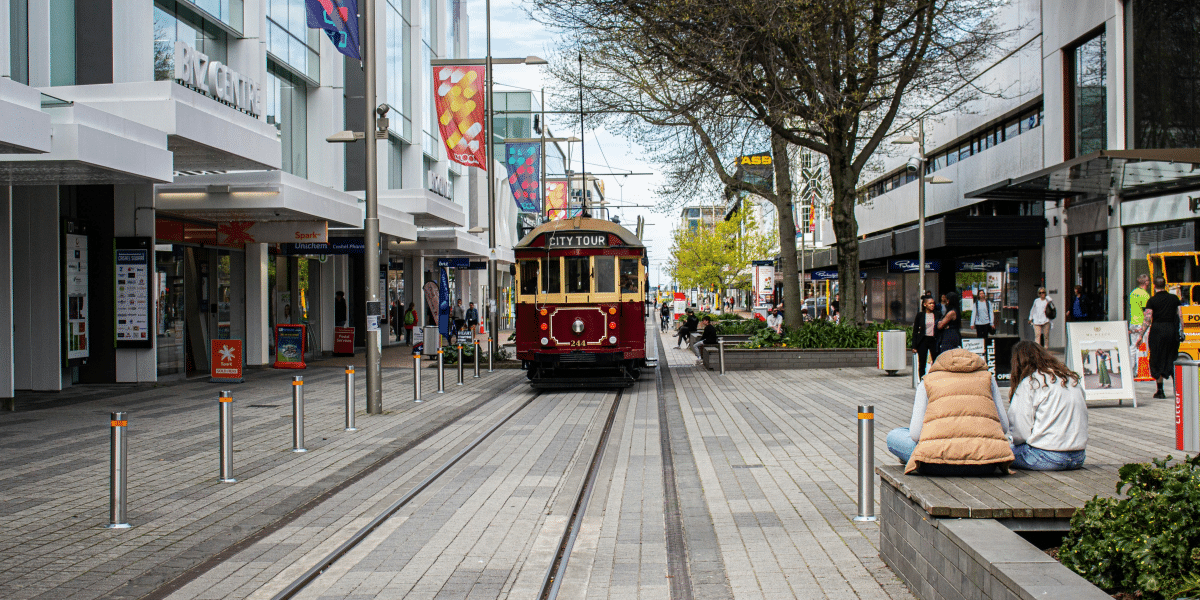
{"x":226,"y":356}
{"x":75,"y":293}
{"x":289,"y":347}
{"x":134,"y":293}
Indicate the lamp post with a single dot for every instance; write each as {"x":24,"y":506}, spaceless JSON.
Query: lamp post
{"x":921,"y":161}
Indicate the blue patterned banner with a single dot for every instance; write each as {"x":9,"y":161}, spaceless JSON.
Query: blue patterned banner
{"x":339,"y":19}
{"x":524,"y":169}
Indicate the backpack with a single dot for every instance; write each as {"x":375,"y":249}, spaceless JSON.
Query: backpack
{"x":1051,"y":312}
{"x":408,"y":318}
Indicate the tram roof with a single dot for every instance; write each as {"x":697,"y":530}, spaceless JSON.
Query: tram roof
{"x":582,"y":224}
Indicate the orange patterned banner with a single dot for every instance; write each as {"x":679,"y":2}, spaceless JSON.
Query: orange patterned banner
{"x":460,"y":99}
{"x":556,"y":199}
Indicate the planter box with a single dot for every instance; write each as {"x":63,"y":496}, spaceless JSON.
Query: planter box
{"x":741,"y":359}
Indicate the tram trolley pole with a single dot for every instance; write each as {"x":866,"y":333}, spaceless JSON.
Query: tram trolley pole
{"x":417,"y":377}
{"x":441,"y":372}
{"x":350,"y":398}
{"x":298,"y":414}
{"x":118,"y":471}
{"x":866,"y":463}
{"x":460,"y":365}
{"x":225,"y":413}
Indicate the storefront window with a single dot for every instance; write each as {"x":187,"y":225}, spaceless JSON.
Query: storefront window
{"x":1091,"y":273}
{"x":170,"y":307}
{"x":62,"y":42}
{"x":1141,"y":242}
{"x":1165,"y":43}
{"x":395,"y":165}
{"x":228,"y":12}
{"x":287,"y":109}
{"x":18,"y":40}
{"x":172,"y":23}
{"x":290,"y":41}
{"x":1089,"y":107}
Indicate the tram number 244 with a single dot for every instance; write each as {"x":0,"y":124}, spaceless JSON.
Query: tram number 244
{"x":578,"y":343}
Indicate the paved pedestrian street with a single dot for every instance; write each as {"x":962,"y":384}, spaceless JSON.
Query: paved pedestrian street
{"x":708,"y":486}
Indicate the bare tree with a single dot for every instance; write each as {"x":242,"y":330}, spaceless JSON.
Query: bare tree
{"x":831,"y":76}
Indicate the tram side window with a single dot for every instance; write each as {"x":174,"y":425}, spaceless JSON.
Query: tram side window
{"x":529,"y":277}
{"x":550,"y":276}
{"x":606,"y":275}
{"x":629,"y":275}
{"x":578,"y":275}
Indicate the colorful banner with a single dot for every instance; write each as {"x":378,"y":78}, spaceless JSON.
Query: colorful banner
{"x":444,"y":304}
{"x":524,"y":168}
{"x":289,"y":347}
{"x":226,"y":363}
{"x":556,"y":199}
{"x":460,"y":112}
{"x":339,"y":19}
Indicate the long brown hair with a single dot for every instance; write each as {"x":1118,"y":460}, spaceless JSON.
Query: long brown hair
{"x":1029,"y":358}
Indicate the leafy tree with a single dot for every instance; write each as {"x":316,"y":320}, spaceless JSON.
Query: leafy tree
{"x":719,"y":255}
{"x":833,"y":77}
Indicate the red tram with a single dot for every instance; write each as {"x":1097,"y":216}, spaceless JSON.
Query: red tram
{"x":580,"y":304}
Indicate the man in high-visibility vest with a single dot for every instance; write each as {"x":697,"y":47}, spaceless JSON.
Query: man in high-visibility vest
{"x":1137,"y":308}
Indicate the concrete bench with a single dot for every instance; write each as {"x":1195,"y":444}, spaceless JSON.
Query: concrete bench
{"x":956,"y":538}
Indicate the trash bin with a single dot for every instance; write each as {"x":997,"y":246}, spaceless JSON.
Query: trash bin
{"x":892,"y":350}
{"x":1187,"y":405}
{"x":433,"y":341}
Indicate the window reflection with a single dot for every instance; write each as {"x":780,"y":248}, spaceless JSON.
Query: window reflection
{"x":578,"y":275}
{"x":529,"y":277}
{"x":1166,"y":73}
{"x":1090,"y":106}
{"x":606,"y":275}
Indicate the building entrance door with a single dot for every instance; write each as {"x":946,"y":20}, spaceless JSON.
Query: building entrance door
{"x":1091,"y":272}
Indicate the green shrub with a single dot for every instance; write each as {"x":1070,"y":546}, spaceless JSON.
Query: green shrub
{"x":744,"y":326}
{"x":1148,"y":542}
{"x":823,"y":334}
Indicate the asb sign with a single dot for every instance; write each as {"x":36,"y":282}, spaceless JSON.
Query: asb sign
{"x":216,"y":80}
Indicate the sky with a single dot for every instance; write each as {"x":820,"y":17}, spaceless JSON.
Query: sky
{"x":514,"y":34}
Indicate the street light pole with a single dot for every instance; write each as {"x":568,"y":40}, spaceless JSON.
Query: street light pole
{"x":371,"y":221}
{"x":493,"y":289}
{"x":921,"y":207}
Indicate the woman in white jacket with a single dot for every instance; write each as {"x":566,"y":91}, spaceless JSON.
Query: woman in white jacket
{"x":1047,"y":413}
{"x":1039,"y":319}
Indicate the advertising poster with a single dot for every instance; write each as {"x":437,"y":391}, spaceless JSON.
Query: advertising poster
{"x":75,"y":288}
{"x":133,"y":281}
{"x":443,"y":304}
{"x":226,"y":358}
{"x":343,"y":341}
{"x":289,"y":347}
{"x":997,"y":354}
{"x":1099,"y":352}
{"x":764,"y":285}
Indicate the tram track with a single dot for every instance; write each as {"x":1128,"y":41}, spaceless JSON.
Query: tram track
{"x":557,"y":568}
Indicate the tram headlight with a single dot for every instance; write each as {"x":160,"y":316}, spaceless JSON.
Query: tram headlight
{"x":612,"y":340}
{"x":577,"y":326}
{"x":545,"y":341}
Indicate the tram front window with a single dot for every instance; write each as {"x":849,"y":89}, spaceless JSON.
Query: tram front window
{"x":606,"y":276}
{"x":550,"y":276}
{"x":629,"y":275}
{"x":529,"y":277}
{"x":578,"y":275}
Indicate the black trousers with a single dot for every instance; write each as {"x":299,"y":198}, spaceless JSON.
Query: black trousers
{"x":927,"y":349}
{"x":983,"y":332}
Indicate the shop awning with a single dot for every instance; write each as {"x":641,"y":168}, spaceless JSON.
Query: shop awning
{"x":256,"y":196}
{"x":1129,"y":173}
{"x":24,"y":128}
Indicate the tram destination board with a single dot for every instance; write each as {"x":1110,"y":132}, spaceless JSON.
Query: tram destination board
{"x":577,"y":239}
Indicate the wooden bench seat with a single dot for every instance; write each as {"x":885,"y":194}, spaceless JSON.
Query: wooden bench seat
{"x":1022,"y":495}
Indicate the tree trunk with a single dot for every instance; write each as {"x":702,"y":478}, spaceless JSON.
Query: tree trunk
{"x":793,"y":302}
{"x":845,"y":229}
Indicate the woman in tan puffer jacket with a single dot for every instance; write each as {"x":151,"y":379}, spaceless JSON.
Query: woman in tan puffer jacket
{"x":959,"y":423}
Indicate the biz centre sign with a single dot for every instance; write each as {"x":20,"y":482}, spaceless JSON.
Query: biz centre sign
{"x":216,"y":80}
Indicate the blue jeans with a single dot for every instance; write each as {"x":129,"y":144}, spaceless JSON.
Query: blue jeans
{"x":900,"y":443}
{"x":1036,"y":459}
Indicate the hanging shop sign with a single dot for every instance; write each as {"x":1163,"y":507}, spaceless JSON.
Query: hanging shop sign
{"x":135,"y":298}
{"x":75,"y":293}
{"x":333,"y":246}
{"x":289,"y":347}
{"x":226,"y":356}
{"x":236,"y":233}
{"x":980,"y":265}
{"x":912,"y":266}
{"x":216,"y":80}
{"x":454,"y":263}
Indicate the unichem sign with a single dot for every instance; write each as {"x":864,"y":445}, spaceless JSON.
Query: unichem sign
{"x":216,"y":80}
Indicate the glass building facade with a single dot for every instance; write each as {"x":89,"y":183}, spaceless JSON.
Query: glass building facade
{"x":1163,"y":37}
{"x":1089,"y":96}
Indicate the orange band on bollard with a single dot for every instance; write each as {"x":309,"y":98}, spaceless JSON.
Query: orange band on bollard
{"x":120,"y":423}
{"x":439,"y":350}
{"x":349,"y":371}
{"x":866,"y":415}
{"x":224,"y":399}
{"x":297,"y":383}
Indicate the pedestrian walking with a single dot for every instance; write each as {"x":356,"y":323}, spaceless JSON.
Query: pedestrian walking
{"x":664,"y":314}
{"x":1163,"y":319}
{"x":410,"y":320}
{"x":1079,"y":305}
{"x":1047,"y":414}
{"x":472,"y":316}
{"x":925,"y":335}
{"x":339,"y":309}
{"x":950,"y":325}
{"x":981,"y":316}
{"x":458,"y":315}
{"x":1041,"y":315}
{"x":1137,"y":309}
{"x":958,"y":425}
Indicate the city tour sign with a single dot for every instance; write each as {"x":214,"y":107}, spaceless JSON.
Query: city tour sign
{"x":216,"y":80}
